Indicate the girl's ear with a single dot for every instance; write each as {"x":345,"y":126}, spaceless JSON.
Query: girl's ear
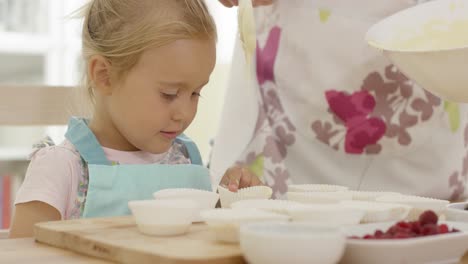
{"x":99,"y":71}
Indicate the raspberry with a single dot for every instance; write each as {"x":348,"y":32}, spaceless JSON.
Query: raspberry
{"x":430,"y":229}
{"x":368,"y":237}
{"x":443,"y":229}
{"x":378,"y":233}
{"x":403,"y":225}
{"x":416,"y":227}
{"x":428,"y":217}
{"x":393,"y":230}
{"x":401,"y":235}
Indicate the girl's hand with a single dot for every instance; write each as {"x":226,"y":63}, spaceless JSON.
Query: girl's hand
{"x":239,"y":177}
{"x":231,"y":3}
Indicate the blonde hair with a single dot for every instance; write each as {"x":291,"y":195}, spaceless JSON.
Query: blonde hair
{"x":121,"y":30}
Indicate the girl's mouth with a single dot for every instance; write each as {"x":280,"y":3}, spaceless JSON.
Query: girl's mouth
{"x":169,"y":135}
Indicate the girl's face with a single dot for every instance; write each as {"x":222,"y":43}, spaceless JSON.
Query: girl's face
{"x":158,"y":99}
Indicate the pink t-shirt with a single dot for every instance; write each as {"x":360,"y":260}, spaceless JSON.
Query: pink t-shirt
{"x":55,"y":174}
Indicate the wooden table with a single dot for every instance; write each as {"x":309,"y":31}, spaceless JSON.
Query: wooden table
{"x":21,"y":251}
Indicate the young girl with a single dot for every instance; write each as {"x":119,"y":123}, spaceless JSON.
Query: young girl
{"x":147,"y":62}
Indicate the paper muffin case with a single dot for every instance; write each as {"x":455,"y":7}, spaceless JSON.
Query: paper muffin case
{"x":379,"y":212}
{"x":369,"y":196}
{"x":251,"y":193}
{"x":419,"y":204}
{"x":205,"y":199}
{"x":316,"y":188}
{"x":319,"y":197}
{"x":333,"y":214}
{"x":274,"y":206}
{"x":226,"y":222}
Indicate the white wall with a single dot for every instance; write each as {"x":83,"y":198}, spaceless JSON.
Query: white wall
{"x":205,"y":125}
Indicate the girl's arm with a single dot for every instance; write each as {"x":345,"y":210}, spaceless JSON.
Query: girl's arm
{"x":50,"y":183}
{"x":28,"y":214}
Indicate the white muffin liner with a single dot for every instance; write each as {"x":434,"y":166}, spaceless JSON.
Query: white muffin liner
{"x":205,"y":199}
{"x":379,"y":212}
{"x":419,"y":204}
{"x":251,"y":193}
{"x":319,"y":197}
{"x":457,"y":212}
{"x":316,"y":188}
{"x":270,"y":205}
{"x":369,"y":196}
{"x":226,"y":222}
{"x":334,"y":214}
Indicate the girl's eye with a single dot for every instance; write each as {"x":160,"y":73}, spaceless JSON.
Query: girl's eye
{"x":169,"y":96}
{"x":196,"y":94}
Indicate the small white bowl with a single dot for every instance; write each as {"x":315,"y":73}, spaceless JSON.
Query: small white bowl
{"x":379,"y":212}
{"x":298,"y":243}
{"x":370,"y":196}
{"x":226,"y":222}
{"x":274,"y":206}
{"x":457,"y":212}
{"x":205,"y":199}
{"x":316,"y":188}
{"x":163,"y":217}
{"x":440,"y":249}
{"x":335,"y":214}
{"x":319,"y":197}
{"x":419,"y":204}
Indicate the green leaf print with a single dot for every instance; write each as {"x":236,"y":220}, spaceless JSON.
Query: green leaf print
{"x":324,"y":14}
{"x":257,"y":166}
{"x":453,"y":112}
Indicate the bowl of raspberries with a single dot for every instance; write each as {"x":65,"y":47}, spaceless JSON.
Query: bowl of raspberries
{"x":427,"y":225}
{"x":424,"y":240}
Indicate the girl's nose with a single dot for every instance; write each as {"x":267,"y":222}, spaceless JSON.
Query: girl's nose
{"x":182,"y":110}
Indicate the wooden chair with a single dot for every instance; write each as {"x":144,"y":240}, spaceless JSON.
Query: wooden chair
{"x":33,"y":106}
{"x":37,"y":105}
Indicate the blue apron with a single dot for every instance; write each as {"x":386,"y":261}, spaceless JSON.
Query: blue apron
{"x":111,"y":187}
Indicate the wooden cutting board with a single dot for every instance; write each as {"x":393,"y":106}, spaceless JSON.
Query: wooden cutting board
{"x":117,"y":239}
